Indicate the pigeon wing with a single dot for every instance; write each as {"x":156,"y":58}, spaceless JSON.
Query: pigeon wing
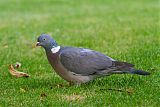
{"x":84,"y":61}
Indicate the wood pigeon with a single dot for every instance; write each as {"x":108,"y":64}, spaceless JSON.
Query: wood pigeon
{"x":80,"y":65}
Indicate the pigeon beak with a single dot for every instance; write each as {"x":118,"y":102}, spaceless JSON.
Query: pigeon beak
{"x":38,"y":44}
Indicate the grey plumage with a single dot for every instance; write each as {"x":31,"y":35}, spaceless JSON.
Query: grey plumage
{"x":84,"y":61}
{"x":79,"y":65}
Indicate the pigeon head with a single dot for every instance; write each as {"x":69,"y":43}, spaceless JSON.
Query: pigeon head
{"x":47,"y":42}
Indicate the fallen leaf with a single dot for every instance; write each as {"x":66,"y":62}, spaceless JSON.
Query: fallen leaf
{"x":16,"y":73}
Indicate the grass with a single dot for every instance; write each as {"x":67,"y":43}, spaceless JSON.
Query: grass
{"x":125,"y":30}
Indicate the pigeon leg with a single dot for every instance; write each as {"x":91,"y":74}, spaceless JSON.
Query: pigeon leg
{"x":71,"y":83}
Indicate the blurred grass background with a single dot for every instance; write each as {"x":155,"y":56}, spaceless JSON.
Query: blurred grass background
{"x":124,"y":30}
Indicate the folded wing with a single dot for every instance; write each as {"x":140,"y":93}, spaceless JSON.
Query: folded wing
{"x":84,"y":61}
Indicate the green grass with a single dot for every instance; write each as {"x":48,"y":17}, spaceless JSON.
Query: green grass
{"x":125,"y":30}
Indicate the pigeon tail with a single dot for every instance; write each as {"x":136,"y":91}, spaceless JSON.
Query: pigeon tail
{"x":125,"y":67}
{"x":139,"y":72}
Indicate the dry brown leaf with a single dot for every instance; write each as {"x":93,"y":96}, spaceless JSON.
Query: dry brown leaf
{"x":16,"y":73}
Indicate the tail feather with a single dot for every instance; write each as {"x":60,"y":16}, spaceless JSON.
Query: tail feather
{"x":124,"y":67}
{"x":139,"y":72}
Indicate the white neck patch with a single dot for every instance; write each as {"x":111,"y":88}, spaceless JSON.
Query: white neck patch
{"x":55,"y":49}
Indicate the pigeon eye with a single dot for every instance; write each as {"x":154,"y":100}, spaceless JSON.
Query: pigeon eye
{"x":44,"y":39}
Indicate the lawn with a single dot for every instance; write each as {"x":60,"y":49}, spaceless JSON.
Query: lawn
{"x":126,"y":30}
